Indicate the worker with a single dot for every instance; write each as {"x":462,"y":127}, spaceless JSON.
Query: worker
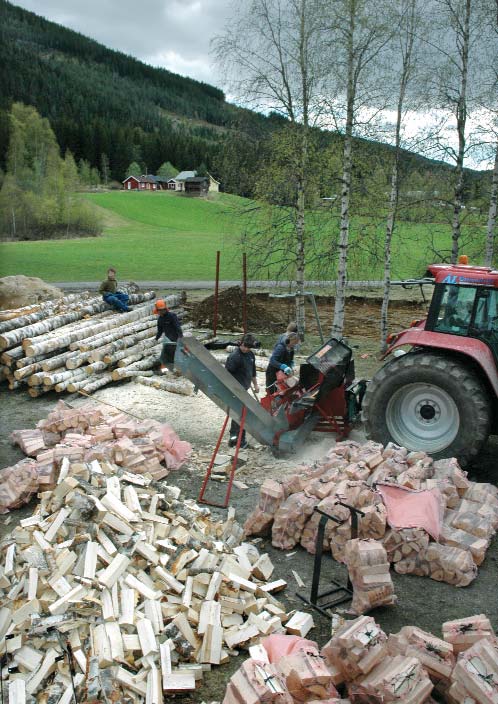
{"x":282,"y":358}
{"x":169,"y":326}
{"x":291,"y":327}
{"x":241,"y":363}
{"x":111,"y":295}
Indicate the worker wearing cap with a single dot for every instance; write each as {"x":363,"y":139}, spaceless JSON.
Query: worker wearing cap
{"x":241,"y":363}
{"x":169,"y":326}
{"x":282,"y":358}
{"x":111,"y":295}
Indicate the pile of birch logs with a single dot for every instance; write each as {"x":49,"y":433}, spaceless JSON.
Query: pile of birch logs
{"x":84,"y":434}
{"x":79,"y":343}
{"x":136,"y":591}
{"x":349,"y":473}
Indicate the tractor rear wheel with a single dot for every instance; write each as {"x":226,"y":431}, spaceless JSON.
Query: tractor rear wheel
{"x":428,"y":402}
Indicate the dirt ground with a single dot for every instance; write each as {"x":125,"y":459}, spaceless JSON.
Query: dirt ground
{"x":420,"y":601}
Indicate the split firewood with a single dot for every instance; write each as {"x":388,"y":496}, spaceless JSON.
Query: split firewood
{"x":147,"y":589}
{"x":368,"y":569}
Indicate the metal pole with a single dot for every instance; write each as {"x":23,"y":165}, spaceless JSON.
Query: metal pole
{"x":311,"y":296}
{"x":216,"y":292}
{"x":244,"y":292}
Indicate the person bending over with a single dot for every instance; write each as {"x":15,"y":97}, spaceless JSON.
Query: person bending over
{"x":241,"y":363}
{"x":282,"y":359}
{"x":169,"y":326}
{"x":111,"y":295}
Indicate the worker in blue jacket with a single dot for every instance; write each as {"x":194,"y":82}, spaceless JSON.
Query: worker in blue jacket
{"x":241,"y":363}
{"x":282,"y":359}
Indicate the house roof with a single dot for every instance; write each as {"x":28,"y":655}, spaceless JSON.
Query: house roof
{"x":184,"y":175}
{"x":131,"y":176}
{"x":212,"y":177}
{"x":197,"y":179}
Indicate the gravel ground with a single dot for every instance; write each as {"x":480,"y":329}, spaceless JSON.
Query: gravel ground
{"x":420,"y":601}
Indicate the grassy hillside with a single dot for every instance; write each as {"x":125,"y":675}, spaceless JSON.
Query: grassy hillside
{"x":162,"y":236}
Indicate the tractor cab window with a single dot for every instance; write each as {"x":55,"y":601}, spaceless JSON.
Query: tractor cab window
{"x":455,"y":310}
{"x":485,"y":323}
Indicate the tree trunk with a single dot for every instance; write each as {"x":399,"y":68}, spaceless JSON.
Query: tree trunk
{"x":54,"y":362}
{"x":490,"y":231}
{"x":393,"y":196}
{"x":342,"y":267}
{"x":342,"y":276}
{"x":461,"y":118}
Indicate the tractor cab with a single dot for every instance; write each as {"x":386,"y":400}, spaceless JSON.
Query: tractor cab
{"x":465,"y":303}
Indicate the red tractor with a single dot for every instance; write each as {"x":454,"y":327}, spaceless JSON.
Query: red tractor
{"x":441,"y":395}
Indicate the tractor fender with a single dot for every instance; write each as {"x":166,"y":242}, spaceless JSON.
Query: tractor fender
{"x":477,"y":350}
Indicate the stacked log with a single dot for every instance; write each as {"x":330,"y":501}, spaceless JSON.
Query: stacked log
{"x":76,"y":343}
{"x":349,"y":473}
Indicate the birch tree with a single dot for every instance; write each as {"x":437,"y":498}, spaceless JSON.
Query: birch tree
{"x":491,"y":224}
{"x":274,"y":58}
{"x":359,"y":31}
{"x":493,"y":198}
{"x":405,"y":49}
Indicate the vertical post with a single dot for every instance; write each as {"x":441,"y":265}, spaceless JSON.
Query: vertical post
{"x":216,"y":292}
{"x":244,"y":292}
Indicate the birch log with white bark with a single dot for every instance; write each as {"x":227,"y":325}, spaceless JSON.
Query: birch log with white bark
{"x":65,"y":339}
{"x":176,"y":386}
{"x":58,"y":376}
{"x":146,"y":363}
{"x":113,"y":333}
{"x":97,"y":383}
{"x":112,"y":358}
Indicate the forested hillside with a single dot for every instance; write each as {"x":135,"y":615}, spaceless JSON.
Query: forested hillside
{"x":102,"y":102}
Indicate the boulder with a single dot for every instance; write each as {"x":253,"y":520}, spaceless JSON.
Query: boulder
{"x":18,"y":291}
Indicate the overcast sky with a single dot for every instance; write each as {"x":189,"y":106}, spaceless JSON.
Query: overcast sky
{"x":174,"y":34}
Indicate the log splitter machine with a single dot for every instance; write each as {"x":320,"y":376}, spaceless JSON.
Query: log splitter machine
{"x":324,"y":398}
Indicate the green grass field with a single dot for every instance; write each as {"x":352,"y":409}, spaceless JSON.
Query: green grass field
{"x":162,"y":236}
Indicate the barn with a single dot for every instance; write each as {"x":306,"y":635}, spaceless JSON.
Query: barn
{"x":197,"y":186}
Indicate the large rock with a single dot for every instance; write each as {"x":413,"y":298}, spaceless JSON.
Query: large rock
{"x":18,"y":291}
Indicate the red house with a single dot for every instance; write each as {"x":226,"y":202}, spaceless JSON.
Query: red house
{"x":146,"y":182}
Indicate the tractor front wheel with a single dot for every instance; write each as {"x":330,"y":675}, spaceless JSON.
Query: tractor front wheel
{"x":427,"y":402}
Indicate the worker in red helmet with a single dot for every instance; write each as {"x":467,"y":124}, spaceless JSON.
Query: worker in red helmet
{"x":169,"y":326}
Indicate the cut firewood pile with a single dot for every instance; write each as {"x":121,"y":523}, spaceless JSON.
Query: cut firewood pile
{"x":84,"y":434}
{"x":119,"y":588}
{"x":77,"y":343}
{"x":367,"y":666}
{"x":462,"y":515}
